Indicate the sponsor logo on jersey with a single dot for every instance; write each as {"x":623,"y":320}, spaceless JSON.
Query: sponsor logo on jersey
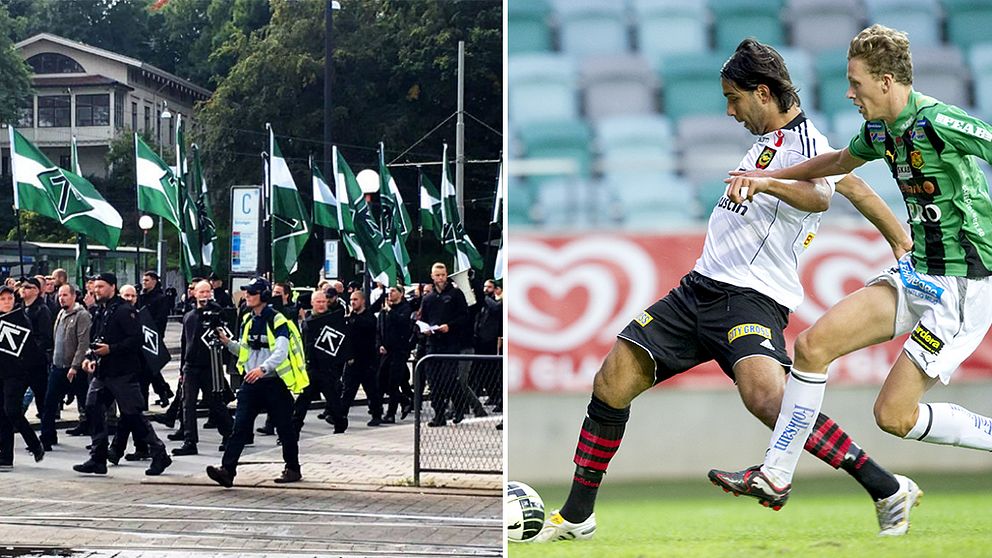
{"x":926,"y":339}
{"x":919,"y":134}
{"x":801,"y":418}
{"x":903,"y":172}
{"x":809,"y":240}
{"x":767,"y":154}
{"x":964,"y":127}
{"x":743,"y":330}
{"x":738,"y":208}
{"x":925,"y":187}
{"x":917,"y":285}
{"x":779,"y":138}
{"x":916,"y":159}
{"x":643,"y":319}
{"x":891,"y":156}
{"x":876,"y":132}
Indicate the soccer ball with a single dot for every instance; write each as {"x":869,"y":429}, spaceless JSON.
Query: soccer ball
{"x":523,"y":512}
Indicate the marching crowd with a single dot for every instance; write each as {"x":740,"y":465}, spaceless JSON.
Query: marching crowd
{"x":277,"y":351}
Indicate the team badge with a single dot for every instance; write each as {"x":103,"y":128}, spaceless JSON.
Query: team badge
{"x":916,"y":159}
{"x":767,"y":154}
{"x":743,"y":330}
{"x":926,"y":339}
{"x":643,"y":319}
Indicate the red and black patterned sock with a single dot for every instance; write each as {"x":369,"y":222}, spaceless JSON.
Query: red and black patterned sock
{"x":599,"y":441}
{"x":833,"y":446}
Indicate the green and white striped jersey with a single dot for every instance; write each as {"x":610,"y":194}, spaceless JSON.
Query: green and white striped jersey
{"x":929,"y":150}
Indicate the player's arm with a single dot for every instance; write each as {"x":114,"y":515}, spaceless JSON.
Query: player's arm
{"x":825,"y":164}
{"x":866,"y":201}
{"x":805,"y":195}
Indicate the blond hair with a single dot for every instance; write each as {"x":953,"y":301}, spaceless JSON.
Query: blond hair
{"x":884,"y":51}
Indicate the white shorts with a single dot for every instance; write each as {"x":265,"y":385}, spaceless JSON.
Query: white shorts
{"x":948,"y":316}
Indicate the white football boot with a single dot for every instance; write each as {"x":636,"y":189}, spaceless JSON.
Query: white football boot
{"x":893,"y":512}
{"x":557,"y":529}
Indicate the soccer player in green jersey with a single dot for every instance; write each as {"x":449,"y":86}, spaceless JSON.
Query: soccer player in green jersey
{"x":940,"y":292}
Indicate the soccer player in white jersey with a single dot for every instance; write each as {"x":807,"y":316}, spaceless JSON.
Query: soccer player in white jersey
{"x":734,"y":306}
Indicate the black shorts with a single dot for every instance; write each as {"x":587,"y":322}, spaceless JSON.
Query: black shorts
{"x":703,"y":320}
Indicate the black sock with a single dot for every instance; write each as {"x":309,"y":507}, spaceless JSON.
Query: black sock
{"x":834,"y":447}
{"x":598,"y":442}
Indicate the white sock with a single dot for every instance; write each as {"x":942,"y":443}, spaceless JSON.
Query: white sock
{"x":952,"y":425}
{"x":800,"y":406}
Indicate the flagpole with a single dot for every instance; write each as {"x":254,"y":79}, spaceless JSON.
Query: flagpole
{"x":268,"y":184}
{"x":20,"y":240}
{"x":420,"y":217}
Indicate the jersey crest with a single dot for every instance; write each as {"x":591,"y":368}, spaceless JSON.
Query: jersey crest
{"x":765,"y":159}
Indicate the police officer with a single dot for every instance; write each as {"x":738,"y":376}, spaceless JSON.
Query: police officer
{"x":266,"y":360}
{"x":325,"y":338}
{"x":115,"y":364}
{"x":197,"y":371}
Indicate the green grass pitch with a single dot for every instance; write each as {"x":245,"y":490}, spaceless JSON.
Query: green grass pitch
{"x":829,"y":516}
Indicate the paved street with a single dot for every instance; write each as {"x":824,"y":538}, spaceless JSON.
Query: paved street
{"x":356,"y":499}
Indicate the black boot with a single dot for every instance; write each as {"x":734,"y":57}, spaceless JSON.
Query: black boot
{"x":185,"y":449}
{"x":159,"y":464}
{"x":91,"y":466}
{"x":221,"y":476}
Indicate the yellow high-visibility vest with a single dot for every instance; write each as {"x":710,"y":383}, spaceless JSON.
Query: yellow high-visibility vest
{"x":293,"y":370}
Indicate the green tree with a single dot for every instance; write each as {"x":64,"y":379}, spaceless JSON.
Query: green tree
{"x":15,"y":77}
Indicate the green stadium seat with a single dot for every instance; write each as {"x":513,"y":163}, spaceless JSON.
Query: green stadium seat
{"x":941,"y":73}
{"x":653,"y":201}
{"x":617,"y":84}
{"x":800,"y":65}
{"x":708,"y":194}
{"x":528,"y":27}
{"x":968,"y":22}
{"x":643,"y":142}
{"x":519,"y":202}
{"x":735,"y":20}
{"x":831,"y":90}
{"x":562,"y":143}
{"x":980,"y":61}
{"x":918,"y":18}
{"x":670,"y":26}
{"x":541,"y":87}
{"x":691,"y":85}
{"x":592,"y":27}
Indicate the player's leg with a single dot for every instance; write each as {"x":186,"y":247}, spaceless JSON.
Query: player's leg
{"x":864,"y":318}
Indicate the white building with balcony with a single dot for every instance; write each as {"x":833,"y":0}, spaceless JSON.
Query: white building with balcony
{"x":95,"y":95}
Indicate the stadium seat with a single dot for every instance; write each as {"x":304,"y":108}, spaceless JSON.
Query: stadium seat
{"x":691,"y":85}
{"x":831,"y":74}
{"x":941,"y":73}
{"x":528,"y":29}
{"x":653,"y":201}
{"x":571,"y":204}
{"x":666,"y":27}
{"x":642,"y":142}
{"x":708,"y":194}
{"x":845,"y":125}
{"x":918,"y":18}
{"x":968,"y":22}
{"x":615,"y":85}
{"x":519,"y":201}
{"x":711,"y":146}
{"x":565,"y":143}
{"x":733,"y":20}
{"x":980,"y":61}
{"x":592,"y":27}
{"x":818,"y":25}
{"x":541,"y":87}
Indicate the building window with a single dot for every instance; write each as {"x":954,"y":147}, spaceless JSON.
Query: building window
{"x":93,"y":110}
{"x":54,"y":111}
{"x":6,"y":166}
{"x":118,"y":110}
{"x":134,"y":117}
{"x":148,"y":120}
{"x":54,"y":63}
{"x":25,"y":113}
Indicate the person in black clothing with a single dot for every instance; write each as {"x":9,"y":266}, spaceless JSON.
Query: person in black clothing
{"x":221,"y":296}
{"x":42,"y":329}
{"x":488,"y":330}
{"x":361,"y":366}
{"x":159,"y":304}
{"x":13,"y":384}
{"x":197,"y":372}
{"x":445,"y":310}
{"x":325,"y":338}
{"x":114,"y":362}
{"x":119,"y":444}
{"x":395,"y":342}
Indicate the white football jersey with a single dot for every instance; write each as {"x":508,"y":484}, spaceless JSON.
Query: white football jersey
{"x":757,"y":244}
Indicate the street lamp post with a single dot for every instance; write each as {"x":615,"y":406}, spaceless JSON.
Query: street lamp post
{"x":145,"y":223}
{"x":160,"y":253}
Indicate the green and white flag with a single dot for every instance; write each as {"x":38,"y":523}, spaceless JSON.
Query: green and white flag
{"x":58,"y":194}
{"x":74,"y":158}
{"x":358,"y":228}
{"x":430,"y":205}
{"x":290,"y":220}
{"x":497,"y":218}
{"x":158,"y":187}
{"x":453,"y":236}
{"x":82,"y":251}
{"x":205,"y":214}
{"x":498,"y":270}
{"x":190,"y":255}
{"x":325,"y":205}
{"x":396,"y":224}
